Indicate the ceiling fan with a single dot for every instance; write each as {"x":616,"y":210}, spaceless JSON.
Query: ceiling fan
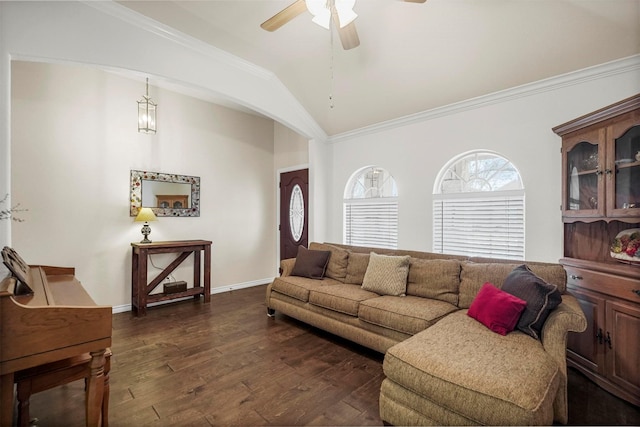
{"x":324,"y":11}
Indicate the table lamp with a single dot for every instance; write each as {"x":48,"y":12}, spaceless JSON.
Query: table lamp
{"x":146,"y":215}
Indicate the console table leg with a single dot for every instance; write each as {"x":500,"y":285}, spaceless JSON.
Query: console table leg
{"x":207,"y":273}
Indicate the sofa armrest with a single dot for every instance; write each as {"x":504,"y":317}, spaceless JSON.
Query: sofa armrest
{"x":567,"y":317}
{"x":287,"y":266}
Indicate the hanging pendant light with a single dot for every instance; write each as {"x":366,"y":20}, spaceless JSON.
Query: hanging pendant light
{"x":147,"y":113}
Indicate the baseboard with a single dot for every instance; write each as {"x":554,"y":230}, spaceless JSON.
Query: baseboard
{"x":217,"y":290}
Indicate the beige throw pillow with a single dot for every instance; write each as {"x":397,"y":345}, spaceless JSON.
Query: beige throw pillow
{"x":386,"y":274}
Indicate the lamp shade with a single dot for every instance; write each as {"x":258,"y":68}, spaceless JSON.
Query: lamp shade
{"x":145,"y":215}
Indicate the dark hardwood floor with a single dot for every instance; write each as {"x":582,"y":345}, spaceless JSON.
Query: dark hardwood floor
{"x":227,"y":363}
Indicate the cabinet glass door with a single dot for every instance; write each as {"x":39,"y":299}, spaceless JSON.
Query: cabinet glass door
{"x":583,"y":176}
{"x":626,"y":179}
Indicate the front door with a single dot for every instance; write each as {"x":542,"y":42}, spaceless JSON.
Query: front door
{"x":294,"y":212}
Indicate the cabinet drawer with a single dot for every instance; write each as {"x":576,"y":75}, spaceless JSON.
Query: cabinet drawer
{"x":616,"y":286}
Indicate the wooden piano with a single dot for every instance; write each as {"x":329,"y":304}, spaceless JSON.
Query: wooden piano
{"x":46,"y":316}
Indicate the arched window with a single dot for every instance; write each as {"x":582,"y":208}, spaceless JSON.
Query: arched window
{"x":371,"y":209}
{"x":478,"y":207}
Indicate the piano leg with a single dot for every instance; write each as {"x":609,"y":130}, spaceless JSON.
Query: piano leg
{"x":95,"y":389}
{"x":24,"y":393}
{"x":105,"y":395}
{"x":6,"y":402}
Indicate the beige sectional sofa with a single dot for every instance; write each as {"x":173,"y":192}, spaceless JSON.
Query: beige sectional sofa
{"x":442,"y":366}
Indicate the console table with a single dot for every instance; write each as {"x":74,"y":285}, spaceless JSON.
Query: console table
{"x":141,"y":288}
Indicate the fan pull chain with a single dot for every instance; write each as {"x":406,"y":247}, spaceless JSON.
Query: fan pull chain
{"x":331,"y":65}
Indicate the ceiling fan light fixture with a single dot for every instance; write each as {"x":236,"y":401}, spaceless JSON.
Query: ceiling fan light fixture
{"x":322,"y":18}
{"x":346,"y":15}
{"x":321,"y":11}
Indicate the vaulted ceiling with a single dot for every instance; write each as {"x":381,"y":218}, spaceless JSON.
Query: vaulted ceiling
{"x":412,"y":57}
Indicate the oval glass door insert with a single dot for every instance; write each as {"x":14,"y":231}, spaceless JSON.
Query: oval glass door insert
{"x":296,"y":213}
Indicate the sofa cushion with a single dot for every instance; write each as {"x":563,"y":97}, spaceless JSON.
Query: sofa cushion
{"x":299,"y":287}
{"x":551,"y":272}
{"x":408,"y":315}
{"x":435,"y":278}
{"x":337,"y":267}
{"x":540,"y":296}
{"x":465,"y":368}
{"x":356,"y":268}
{"x":386,"y":274}
{"x":342,"y":297}
{"x":496,"y":309}
{"x":310,"y":263}
{"x":474,"y":275}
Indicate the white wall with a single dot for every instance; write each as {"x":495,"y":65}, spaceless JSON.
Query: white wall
{"x":74,"y":141}
{"x":291,"y":148}
{"x":516,"y":123}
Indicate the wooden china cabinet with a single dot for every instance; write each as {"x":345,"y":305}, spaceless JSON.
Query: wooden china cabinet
{"x":173,"y":201}
{"x":601,"y":200}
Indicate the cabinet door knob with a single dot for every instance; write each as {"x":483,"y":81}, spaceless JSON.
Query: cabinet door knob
{"x":608,"y":171}
{"x":599,"y":335}
{"x":636,"y":291}
{"x":608,"y":340}
{"x":574,"y":277}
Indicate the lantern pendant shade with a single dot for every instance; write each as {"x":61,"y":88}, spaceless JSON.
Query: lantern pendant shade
{"x":147,"y":113}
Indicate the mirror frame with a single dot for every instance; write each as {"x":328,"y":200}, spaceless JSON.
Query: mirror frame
{"x":135,"y":198}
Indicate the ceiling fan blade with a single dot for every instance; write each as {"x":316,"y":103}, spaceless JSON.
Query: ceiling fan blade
{"x":416,"y":1}
{"x":284,"y":16}
{"x":349,"y":36}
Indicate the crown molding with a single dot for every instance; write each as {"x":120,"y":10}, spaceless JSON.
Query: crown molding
{"x":125,"y":14}
{"x":607,"y":69}
{"x":132,"y":17}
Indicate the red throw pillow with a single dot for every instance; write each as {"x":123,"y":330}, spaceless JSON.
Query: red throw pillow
{"x":496,"y":309}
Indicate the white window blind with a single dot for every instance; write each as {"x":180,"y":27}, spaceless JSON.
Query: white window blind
{"x":371,"y":222}
{"x":371,"y":209}
{"x":488,"y":224}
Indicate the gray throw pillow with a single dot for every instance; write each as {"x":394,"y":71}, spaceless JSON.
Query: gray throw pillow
{"x":541,"y":298}
{"x":310,"y":263}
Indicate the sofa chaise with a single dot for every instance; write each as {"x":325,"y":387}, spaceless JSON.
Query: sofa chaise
{"x":442,"y":365}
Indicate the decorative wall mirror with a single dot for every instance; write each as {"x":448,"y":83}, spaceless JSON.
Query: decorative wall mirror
{"x":167,"y":194}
